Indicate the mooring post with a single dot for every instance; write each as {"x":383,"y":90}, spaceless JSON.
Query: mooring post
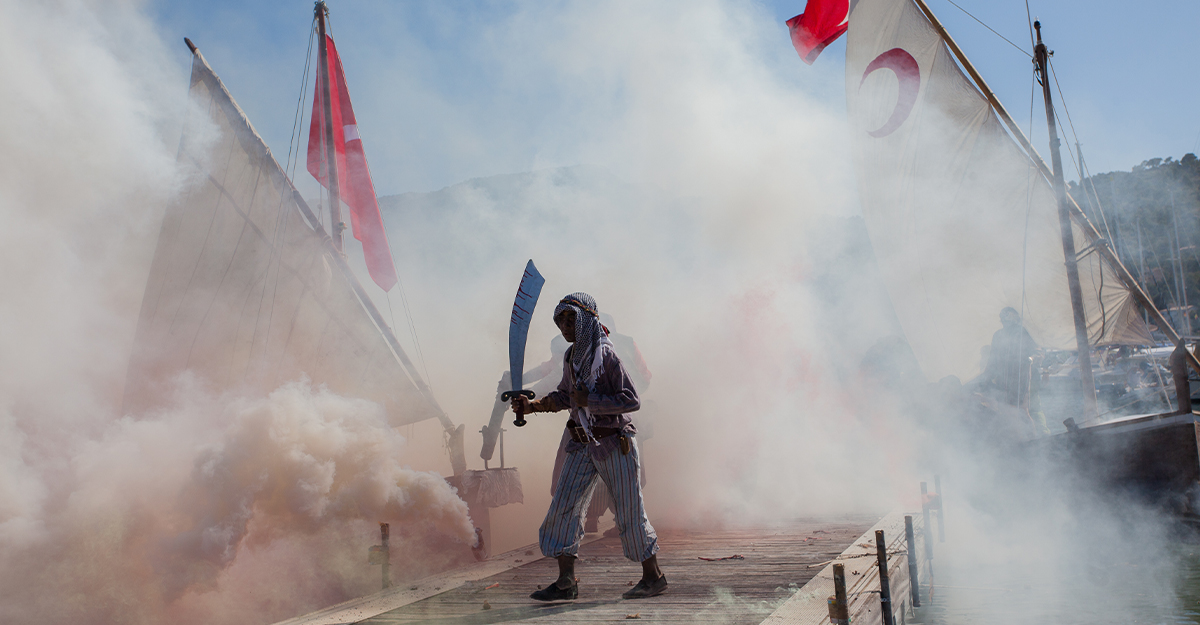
{"x":1179,"y":371}
{"x":941,"y":502}
{"x":839,"y":612}
{"x":385,"y":532}
{"x":925,"y":519}
{"x":913,"y":569}
{"x":885,"y":592}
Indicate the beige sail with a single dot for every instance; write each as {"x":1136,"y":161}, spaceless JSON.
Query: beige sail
{"x":961,"y":220}
{"x":245,"y":291}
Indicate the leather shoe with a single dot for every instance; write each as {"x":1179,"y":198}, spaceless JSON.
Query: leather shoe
{"x":554,"y":593}
{"x":643,"y":590}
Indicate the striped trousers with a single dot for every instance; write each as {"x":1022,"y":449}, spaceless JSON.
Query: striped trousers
{"x":562,"y":530}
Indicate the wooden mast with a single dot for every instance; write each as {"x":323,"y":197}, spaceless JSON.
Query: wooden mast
{"x":331,"y":172}
{"x":1083,"y":345}
{"x":1100,"y":245}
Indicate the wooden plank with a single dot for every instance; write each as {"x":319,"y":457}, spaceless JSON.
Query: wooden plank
{"x":809,"y":606}
{"x":356,"y":610}
{"x":776,"y":563}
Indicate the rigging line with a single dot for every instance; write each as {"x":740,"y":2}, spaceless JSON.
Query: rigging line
{"x":1079,"y":170}
{"x":991,"y":29}
{"x":280,"y":210}
{"x":1164,"y":283}
{"x":294,"y":137}
{"x":1062,"y":99}
{"x":1092,"y":183}
{"x":1029,"y":182}
{"x":411,"y":327}
{"x":1100,"y":299}
{"x":1029,"y":19}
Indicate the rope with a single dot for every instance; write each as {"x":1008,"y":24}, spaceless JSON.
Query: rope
{"x":991,"y":29}
{"x":1029,"y":182}
{"x":294,"y":138}
{"x":1078,"y":166}
{"x":1029,"y":19}
{"x":280,"y":213}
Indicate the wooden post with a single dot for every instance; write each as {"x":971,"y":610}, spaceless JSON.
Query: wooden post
{"x":1089,"y":229}
{"x":937,"y":489}
{"x":885,"y":591}
{"x":1183,"y":390}
{"x":925,"y":519}
{"x":385,"y":533}
{"x":839,"y":612}
{"x":913,"y":569}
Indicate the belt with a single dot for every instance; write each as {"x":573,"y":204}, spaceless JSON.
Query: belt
{"x":580,"y":436}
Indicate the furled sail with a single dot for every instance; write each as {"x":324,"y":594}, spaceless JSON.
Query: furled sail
{"x":962,"y":221}
{"x":245,"y":290}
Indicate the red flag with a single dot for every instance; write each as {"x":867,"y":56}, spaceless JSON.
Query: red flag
{"x":819,"y":25}
{"x":354,"y":179}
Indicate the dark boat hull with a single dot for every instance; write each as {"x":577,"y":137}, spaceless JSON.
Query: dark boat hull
{"x":1154,"y":459}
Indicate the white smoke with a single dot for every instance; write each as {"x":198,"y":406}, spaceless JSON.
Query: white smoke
{"x":217,"y":508}
{"x":707,"y":243}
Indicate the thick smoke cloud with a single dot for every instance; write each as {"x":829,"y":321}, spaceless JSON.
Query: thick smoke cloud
{"x":217,"y":508}
{"x":713,"y":219}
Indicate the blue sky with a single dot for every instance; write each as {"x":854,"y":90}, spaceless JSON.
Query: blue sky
{"x":445,"y":91}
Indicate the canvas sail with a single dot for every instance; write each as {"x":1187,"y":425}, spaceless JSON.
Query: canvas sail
{"x":961,"y":220}
{"x":245,"y":291}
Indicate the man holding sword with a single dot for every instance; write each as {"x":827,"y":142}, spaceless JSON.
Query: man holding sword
{"x":599,"y":394}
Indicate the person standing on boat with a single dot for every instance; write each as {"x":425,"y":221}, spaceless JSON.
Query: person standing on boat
{"x":1010,"y":372}
{"x":600,"y":395}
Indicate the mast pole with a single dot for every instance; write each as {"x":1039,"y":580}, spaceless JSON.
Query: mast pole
{"x":1185,"y":322}
{"x":1082,"y":343}
{"x":1089,"y":229}
{"x":331,"y":170}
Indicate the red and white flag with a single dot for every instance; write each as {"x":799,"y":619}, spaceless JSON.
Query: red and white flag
{"x":354,"y":179}
{"x":819,"y":25}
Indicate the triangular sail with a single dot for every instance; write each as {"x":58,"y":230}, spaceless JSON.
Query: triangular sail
{"x":245,"y":291}
{"x":962,"y":221}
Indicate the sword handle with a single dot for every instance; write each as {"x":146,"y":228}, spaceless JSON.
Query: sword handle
{"x":508,"y":395}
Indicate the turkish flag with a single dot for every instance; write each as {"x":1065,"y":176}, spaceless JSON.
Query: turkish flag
{"x":354,"y":179}
{"x":819,"y":25}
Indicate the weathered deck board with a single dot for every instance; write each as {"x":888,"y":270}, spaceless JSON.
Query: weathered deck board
{"x":778,"y":561}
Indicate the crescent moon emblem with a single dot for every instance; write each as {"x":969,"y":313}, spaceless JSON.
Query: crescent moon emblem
{"x":909,"y":74}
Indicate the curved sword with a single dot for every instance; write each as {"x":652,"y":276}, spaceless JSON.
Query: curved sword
{"x":518,"y":332}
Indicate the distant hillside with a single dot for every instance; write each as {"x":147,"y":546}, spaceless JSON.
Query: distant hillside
{"x":464,"y":226}
{"x":1152,"y":214}
{"x":476,"y":235}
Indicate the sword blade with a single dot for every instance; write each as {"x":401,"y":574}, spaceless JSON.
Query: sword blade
{"x":518,"y":332}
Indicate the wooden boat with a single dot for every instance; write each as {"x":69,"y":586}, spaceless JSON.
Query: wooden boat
{"x":966,"y":218}
{"x":249,"y":288}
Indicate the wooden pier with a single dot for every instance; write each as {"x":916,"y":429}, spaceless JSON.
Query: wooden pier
{"x":774,"y":563}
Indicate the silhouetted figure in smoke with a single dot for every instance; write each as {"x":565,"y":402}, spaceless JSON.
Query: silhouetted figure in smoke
{"x":1010,"y":377}
{"x":542,"y":379}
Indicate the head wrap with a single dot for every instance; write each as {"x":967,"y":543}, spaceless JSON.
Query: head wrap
{"x":591,"y":339}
